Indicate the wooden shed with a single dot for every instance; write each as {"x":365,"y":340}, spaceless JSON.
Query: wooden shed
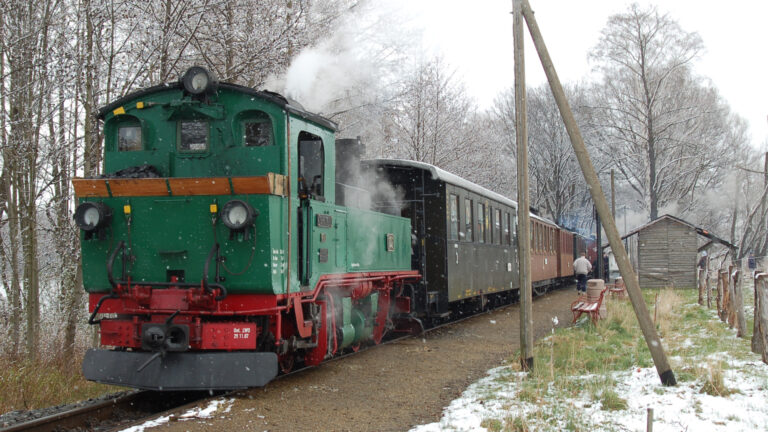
{"x":663,"y":252}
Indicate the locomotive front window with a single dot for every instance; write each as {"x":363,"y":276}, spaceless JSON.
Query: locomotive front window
{"x":129,"y":138}
{"x":193,"y":135}
{"x":257,"y":133}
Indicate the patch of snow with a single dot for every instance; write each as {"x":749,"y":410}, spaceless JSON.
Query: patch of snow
{"x":194,"y":413}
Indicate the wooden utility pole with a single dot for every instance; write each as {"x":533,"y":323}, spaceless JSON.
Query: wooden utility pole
{"x":523,"y":218}
{"x":613,"y":197}
{"x":622,"y":259}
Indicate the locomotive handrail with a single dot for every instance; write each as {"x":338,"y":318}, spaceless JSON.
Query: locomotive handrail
{"x":206,"y":286}
{"x":115,"y":283}
{"x":111,"y":261}
{"x":112,"y":295}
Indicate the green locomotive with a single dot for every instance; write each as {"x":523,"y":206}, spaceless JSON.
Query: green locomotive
{"x":216,"y":248}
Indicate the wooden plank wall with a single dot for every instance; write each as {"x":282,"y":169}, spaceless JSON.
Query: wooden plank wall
{"x":667,"y":255}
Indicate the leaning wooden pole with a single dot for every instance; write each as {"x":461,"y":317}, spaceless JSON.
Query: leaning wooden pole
{"x":523,"y":218}
{"x":622,"y":259}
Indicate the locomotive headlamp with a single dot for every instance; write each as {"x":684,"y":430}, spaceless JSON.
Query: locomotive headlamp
{"x":90,"y":216}
{"x":198,"y":81}
{"x":237,"y":215}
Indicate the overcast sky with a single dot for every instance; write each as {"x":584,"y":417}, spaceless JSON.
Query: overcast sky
{"x":476,"y":38}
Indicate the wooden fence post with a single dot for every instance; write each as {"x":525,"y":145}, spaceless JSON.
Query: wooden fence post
{"x":762,"y":292}
{"x":719,"y":296}
{"x":726,"y":299}
{"x":732,"y":278}
{"x":708,"y":285}
{"x":757,"y":337}
{"x":738,"y":303}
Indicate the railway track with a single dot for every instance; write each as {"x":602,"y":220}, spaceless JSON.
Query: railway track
{"x":139,"y":406}
{"x":111,"y":414}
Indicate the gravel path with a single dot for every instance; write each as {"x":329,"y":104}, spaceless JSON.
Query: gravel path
{"x":388,"y":388}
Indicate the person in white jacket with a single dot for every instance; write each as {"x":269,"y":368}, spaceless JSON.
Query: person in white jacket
{"x":582,"y":267}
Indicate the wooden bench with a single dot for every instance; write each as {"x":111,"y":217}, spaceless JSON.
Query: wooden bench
{"x":583,"y":305}
{"x":617,"y":290}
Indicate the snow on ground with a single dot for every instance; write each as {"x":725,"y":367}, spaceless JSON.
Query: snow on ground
{"x":192,"y":414}
{"x":680,"y":408}
{"x":677,"y":408}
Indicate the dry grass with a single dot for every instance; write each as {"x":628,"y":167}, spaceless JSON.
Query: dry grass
{"x":712,"y":376}
{"x":28,"y":385}
{"x":668,"y":301}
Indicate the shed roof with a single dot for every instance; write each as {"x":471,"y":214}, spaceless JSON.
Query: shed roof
{"x":699,"y":231}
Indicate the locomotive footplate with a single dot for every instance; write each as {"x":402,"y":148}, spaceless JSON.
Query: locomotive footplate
{"x":181,"y":371}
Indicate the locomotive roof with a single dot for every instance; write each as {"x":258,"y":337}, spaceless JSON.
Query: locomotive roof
{"x":447,"y":177}
{"x":289,"y":105}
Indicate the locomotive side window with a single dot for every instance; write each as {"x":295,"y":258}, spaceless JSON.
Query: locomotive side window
{"x":453,"y":214}
{"x":496,"y":226}
{"x":193,"y":135}
{"x":311,"y":164}
{"x":480,"y":223}
{"x":256,"y":129}
{"x":468,"y":219}
{"x":129,"y":137}
{"x":257,"y":133}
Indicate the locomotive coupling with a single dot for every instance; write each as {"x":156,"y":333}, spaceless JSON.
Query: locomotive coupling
{"x":165,"y":337}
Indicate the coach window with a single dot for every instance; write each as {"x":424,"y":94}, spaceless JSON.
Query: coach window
{"x":551,"y":239}
{"x":496,"y":226}
{"x":311,"y":166}
{"x":507,"y":229}
{"x":468,"y":220}
{"x":538,"y":237}
{"x":453,"y":215}
{"x":480,"y":223}
{"x":533,"y":237}
{"x":257,"y":129}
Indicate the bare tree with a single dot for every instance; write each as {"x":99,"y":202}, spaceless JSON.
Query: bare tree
{"x":655,"y":114}
{"x":556,"y":182}
{"x":430,"y":121}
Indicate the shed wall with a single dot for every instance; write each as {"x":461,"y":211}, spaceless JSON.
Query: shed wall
{"x":667,"y":255}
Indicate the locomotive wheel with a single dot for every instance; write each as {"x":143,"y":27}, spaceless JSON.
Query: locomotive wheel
{"x":539,"y":291}
{"x":286,"y":362}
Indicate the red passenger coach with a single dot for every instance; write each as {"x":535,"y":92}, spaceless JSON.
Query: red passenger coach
{"x":565,"y":253}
